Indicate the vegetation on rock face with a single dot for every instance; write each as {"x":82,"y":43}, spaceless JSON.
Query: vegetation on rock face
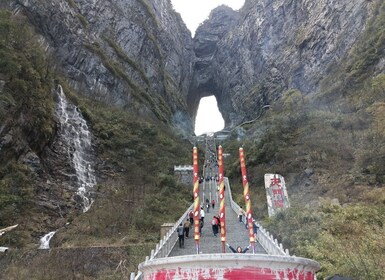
{"x":137,"y":159}
{"x":345,"y":151}
{"x":359,"y":65}
{"x":26,"y":101}
{"x":137,"y":191}
{"x":346,"y":240}
{"x":141,"y":94}
{"x":338,"y":134}
{"x":26,"y":112}
{"x":72,"y":263}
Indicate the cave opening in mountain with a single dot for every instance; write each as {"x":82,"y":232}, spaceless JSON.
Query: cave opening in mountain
{"x":208,"y":118}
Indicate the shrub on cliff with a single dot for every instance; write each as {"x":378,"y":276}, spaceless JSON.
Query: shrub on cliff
{"x":26,"y":112}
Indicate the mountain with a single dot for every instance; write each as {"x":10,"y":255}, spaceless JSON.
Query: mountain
{"x":308,"y":102}
{"x":300,"y":85}
{"x":124,"y":68}
{"x":130,"y":54}
{"x":272,"y":46}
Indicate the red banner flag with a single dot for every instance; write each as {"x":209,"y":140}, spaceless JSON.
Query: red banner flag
{"x":246,"y":196}
{"x":222,"y":212}
{"x":196,"y":200}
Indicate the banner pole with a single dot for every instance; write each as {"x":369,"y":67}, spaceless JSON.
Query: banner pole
{"x":246,"y":196}
{"x":196,"y":200}
{"x":222,"y":210}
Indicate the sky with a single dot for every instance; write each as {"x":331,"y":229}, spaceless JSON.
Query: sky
{"x":208,"y":119}
{"x":194,"y":12}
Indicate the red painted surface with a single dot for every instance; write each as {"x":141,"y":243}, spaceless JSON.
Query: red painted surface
{"x":196,"y":210}
{"x":245,"y":273}
{"x":260,"y":274}
{"x":222,"y":209}
{"x":277,"y":193}
{"x":246,"y":196}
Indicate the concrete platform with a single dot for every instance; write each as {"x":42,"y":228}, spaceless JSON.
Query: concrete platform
{"x":231,"y":267}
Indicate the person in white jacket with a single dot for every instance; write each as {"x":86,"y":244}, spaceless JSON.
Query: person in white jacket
{"x":202,"y":214}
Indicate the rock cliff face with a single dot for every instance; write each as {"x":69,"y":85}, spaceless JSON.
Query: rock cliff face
{"x":135,"y":54}
{"x":273,"y":46}
{"x":138,"y":54}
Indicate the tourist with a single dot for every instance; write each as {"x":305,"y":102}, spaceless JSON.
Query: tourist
{"x":191,"y":216}
{"x":186,"y":227}
{"x":218,"y":222}
{"x":240,"y":214}
{"x":180,"y":231}
{"x":238,"y":250}
{"x":255,"y":228}
{"x":202,"y":215}
{"x":214,"y":225}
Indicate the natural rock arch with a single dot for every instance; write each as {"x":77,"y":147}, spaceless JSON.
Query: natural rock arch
{"x":205,"y":81}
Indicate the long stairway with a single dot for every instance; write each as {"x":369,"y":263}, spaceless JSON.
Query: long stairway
{"x":269,"y":260}
{"x":236,"y":232}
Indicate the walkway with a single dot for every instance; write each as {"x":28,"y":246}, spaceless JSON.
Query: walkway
{"x":270,"y":261}
{"x":236,"y":234}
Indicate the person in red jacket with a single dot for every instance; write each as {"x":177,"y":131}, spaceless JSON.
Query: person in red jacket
{"x":191,"y":217}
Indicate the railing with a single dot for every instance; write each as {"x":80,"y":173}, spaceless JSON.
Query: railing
{"x":267,"y":241}
{"x":166,"y":244}
{"x":183,"y":168}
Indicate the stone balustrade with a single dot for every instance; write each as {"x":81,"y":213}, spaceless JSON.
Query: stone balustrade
{"x":278,"y":264}
{"x":166,"y":244}
{"x":183,"y":168}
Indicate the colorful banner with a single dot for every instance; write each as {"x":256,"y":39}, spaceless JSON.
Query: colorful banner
{"x":196,"y":200}
{"x":222,"y":212}
{"x":246,"y":196}
{"x":276,"y":193}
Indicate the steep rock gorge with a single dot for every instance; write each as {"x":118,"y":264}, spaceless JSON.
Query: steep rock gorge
{"x":272,"y":46}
